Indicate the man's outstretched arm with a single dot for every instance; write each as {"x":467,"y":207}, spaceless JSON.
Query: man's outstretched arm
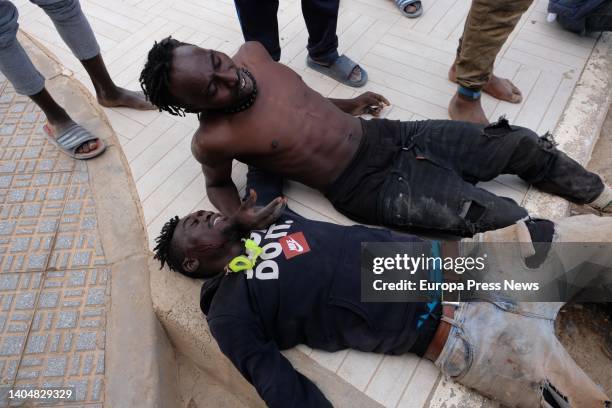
{"x":261,"y":363}
{"x":366,"y":103}
{"x":220,"y":187}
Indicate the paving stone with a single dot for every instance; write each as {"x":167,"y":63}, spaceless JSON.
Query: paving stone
{"x":67,"y":333}
{"x":30,"y":211}
{"x":18,"y":293}
{"x":24,"y":147}
{"x":77,"y":244}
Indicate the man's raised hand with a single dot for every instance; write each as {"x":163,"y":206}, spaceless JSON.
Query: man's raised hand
{"x":249,"y":217}
{"x":369,"y":102}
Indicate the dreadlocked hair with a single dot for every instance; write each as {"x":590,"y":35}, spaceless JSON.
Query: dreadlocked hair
{"x":163,"y":250}
{"x":155,"y":76}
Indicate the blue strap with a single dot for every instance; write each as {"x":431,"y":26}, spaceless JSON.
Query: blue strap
{"x":469,"y":93}
{"x":435,"y":276}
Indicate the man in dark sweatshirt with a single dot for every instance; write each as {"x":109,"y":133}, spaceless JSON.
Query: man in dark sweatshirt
{"x":305,"y":288}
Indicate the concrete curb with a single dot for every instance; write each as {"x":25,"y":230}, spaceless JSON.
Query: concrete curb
{"x":140,"y":367}
{"x":580,"y":125}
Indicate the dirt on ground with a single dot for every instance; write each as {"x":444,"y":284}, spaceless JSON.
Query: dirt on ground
{"x":581,"y":327}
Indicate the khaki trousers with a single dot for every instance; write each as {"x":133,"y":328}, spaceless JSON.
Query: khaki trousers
{"x":488,"y":25}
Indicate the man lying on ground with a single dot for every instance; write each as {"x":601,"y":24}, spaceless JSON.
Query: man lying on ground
{"x":306,"y":290}
{"x":400,"y":174}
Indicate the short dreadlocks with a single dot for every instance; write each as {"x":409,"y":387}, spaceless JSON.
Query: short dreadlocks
{"x":155,"y":77}
{"x":163,"y":250}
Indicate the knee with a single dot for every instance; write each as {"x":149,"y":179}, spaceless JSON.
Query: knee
{"x":8,"y":23}
{"x":60,"y":10}
{"x":528,"y":142}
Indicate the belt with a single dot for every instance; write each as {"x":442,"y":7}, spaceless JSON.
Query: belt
{"x":441,"y":335}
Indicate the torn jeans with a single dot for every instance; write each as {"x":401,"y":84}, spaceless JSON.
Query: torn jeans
{"x":508,"y":350}
{"x":432,"y":182}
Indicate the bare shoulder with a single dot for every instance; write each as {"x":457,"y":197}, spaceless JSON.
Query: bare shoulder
{"x":254,"y":51}
{"x":209,"y":145}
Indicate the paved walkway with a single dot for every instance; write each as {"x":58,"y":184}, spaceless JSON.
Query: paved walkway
{"x":53,"y":275}
{"x":407,"y":61}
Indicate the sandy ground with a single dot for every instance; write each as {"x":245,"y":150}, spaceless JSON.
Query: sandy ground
{"x":581,"y":327}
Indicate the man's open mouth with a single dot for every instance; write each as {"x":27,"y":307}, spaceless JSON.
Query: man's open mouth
{"x":217,"y":218}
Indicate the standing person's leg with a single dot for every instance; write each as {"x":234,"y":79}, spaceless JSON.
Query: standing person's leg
{"x":76,"y":32}
{"x":321,"y":17}
{"x":27,"y":80}
{"x":258,"y":22}
{"x":488,"y":25}
{"x":601,"y":18}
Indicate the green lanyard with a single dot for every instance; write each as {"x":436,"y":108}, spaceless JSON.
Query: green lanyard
{"x":242,"y":262}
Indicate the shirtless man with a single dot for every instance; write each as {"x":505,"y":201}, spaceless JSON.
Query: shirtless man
{"x":400,"y":174}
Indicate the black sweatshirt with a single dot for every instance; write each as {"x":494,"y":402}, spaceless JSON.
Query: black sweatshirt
{"x":305,"y":289}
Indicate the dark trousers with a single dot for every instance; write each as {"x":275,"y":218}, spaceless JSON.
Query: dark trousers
{"x":422,"y":175}
{"x":600,"y":19}
{"x":259,"y":23}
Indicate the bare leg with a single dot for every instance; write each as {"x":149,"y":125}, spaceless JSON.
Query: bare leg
{"x":499,"y":88}
{"x":467,"y":110}
{"x":58,"y":118}
{"x":109,"y":94}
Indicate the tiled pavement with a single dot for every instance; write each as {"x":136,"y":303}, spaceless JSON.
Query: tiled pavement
{"x":53,"y":279}
{"x":407,"y":61}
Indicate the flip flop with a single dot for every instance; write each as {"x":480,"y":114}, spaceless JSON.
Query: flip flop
{"x":340,"y":70}
{"x":402,"y":4}
{"x":72,"y":138}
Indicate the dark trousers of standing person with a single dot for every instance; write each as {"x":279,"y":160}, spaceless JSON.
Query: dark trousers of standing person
{"x":487,"y":27}
{"x":600,"y":19}
{"x":259,"y":22}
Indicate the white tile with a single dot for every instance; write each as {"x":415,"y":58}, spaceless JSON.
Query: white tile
{"x":166,"y":191}
{"x":158,"y":149}
{"x":432,"y":15}
{"x":557,"y":105}
{"x":147,"y":136}
{"x":165,"y":169}
{"x":539,"y":100}
{"x":502,"y":190}
{"x":358,"y":368}
{"x":122,"y":124}
{"x":331,"y":361}
{"x":423,"y":382}
{"x":391,"y":377}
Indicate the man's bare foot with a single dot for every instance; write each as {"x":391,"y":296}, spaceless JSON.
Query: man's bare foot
{"x":126,"y":98}
{"x":499,"y":88}
{"x":466,"y":110}
{"x":60,"y":127}
{"x":411,"y":8}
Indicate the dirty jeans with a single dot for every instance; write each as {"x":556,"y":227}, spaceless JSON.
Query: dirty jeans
{"x":72,"y":26}
{"x":510,"y":353}
{"x":487,"y":27}
{"x":508,"y":350}
{"x":423,"y":174}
